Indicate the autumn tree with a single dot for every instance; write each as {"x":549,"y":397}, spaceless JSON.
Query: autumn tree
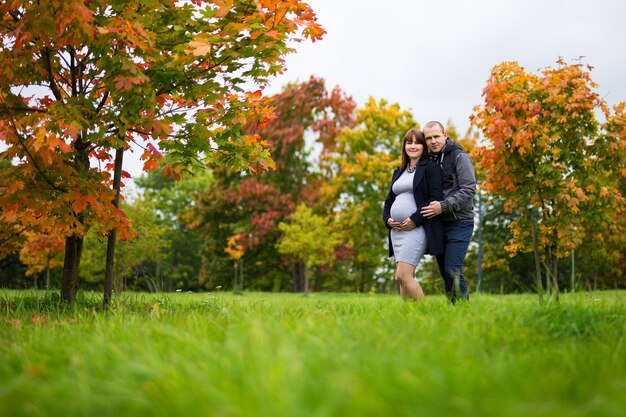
{"x":600,"y":261}
{"x":42,"y":253}
{"x":309,"y":238}
{"x":550,"y":157}
{"x":83,"y":81}
{"x":11,"y":235}
{"x":249,"y":208}
{"x":307,"y":115}
{"x":235,"y":251}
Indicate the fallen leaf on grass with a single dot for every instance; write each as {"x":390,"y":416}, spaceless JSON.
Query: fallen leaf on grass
{"x":15,"y":322}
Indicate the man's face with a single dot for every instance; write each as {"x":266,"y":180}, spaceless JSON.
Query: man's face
{"x":435,"y":138}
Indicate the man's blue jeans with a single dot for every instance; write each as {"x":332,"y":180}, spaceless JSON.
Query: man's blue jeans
{"x":457,"y":235}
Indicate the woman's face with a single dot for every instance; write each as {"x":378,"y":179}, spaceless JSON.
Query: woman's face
{"x":413,"y":148}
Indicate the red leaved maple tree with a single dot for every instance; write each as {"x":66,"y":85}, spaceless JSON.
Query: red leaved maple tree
{"x":306,"y":113}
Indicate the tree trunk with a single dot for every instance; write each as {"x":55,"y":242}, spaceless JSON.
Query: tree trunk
{"x":35,"y":280}
{"x":157,"y":272}
{"x":47,"y":279}
{"x":298,"y":276}
{"x":548,"y":278}
{"x":306,"y":282}
{"x":317,"y":284}
{"x":108,"y":273}
{"x":479,"y":285}
{"x":551,"y":264}
{"x":159,"y":283}
{"x":362,"y":279}
{"x":241,"y":274}
{"x":573,"y":272}
{"x":74,"y":243}
{"x":533,"y":232}
{"x":555,"y":276}
{"x":69,"y":280}
{"x":586,"y":281}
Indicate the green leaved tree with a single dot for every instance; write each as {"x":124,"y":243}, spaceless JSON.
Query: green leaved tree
{"x":309,"y":238}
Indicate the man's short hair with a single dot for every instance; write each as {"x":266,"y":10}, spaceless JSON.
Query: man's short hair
{"x":433,"y":124}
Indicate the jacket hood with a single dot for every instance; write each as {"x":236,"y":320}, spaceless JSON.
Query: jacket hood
{"x":450,"y":146}
{"x":447,"y":148}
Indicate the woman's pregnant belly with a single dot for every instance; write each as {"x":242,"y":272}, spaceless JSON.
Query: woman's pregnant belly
{"x":403,"y":207}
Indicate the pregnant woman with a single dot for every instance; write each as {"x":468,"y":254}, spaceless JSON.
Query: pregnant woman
{"x":415,"y":184}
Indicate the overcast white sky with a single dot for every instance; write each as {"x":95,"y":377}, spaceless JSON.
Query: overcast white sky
{"x":434,"y":57}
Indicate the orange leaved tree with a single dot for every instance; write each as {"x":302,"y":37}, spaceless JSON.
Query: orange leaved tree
{"x":550,"y":157}
{"x":42,"y":253}
{"x":83,"y":81}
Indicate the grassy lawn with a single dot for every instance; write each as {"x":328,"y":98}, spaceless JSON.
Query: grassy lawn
{"x":325,"y":355}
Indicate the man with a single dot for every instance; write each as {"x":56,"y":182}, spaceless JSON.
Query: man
{"x":456,"y":208}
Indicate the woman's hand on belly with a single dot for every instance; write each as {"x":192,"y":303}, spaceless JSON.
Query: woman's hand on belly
{"x":408,"y":225}
{"x":394,"y":224}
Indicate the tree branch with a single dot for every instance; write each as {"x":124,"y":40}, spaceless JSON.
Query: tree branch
{"x":73,"y":69}
{"x":102,"y":102}
{"x":15,"y":15}
{"x":190,"y":81}
{"x":32,"y":159}
{"x":53,"y":85}
{"x":28,"y":154}
{"x":7,"y":109}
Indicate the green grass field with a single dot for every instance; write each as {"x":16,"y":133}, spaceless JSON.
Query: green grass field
{"x":324,"y":355}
